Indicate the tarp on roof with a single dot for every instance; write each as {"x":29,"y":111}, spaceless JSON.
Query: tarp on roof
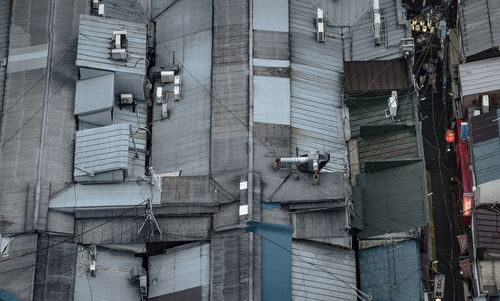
{"x":375,"y":76}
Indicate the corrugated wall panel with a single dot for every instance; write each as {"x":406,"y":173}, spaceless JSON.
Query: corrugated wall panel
{"x":182,"y":142}
{"x":181,"y":268}
{"x":4,"y":46}
{"x":480,"y":76}
{"x":316,"y":88}
{"x":322,"y":272}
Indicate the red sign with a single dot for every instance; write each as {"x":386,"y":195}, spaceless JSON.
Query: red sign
{"x":463,"y":244}
{"x":468,"y":203}
{"x":466,"y":269}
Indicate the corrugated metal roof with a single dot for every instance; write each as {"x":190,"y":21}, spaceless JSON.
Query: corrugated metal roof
{"x":182,"y":142}
{"x":392,"y":199}
{"x":103,"y":195}
{"x":94,"y":41}
{"x":180,"y":268}
{"x":112,"y":272}
{"x":487,"y":227}
{"x":486,"y":146}
{"x":368,"y":112}
{"x":343,"y":12}
{"x":272,"y":99}
{"x":480,"y":25}
{"x":95,"y":94}
{"x":392,"y":272}
{"x":18,"y":273}
{"x":4,"y":45}
{"x":480,"y":76}
{"x":130,"y":10}
{"x":361,"y":42}
{"x":322,"y":272}
{"x":316,"y":88}
{"x":319,"y":224}
{"x":485,"y":126}
{"x":375,"y":76}
{"x":104,"y":149}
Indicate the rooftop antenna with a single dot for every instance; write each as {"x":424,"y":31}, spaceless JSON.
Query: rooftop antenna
{"x":150,"y":221}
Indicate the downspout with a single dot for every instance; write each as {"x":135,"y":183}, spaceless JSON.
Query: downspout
{"x":43,"y":125}
{"x":250,"y":147}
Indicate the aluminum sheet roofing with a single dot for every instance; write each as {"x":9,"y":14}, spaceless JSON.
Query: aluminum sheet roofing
{"x":487,"y":226}
{"x":486,"y":146}
{"x":375,"y":76}
{"x":94,"y":41}
{"x":480,"y":76}
{"x":480,"y":25}
{"x":95,"y":94}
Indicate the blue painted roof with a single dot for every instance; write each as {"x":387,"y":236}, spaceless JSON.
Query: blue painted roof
{"x":392,"y":272}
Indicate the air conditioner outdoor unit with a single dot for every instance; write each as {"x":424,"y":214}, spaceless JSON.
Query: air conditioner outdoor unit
{"x":126,"y":99}
{"x":486,"y":103}
{"x":167,"y":76}
{"x":143,"y":286}
{"x":159,"y":95}
{"x":320,"y":26}
{"x":164,"y":111}
{"x":95,"y":4}
{"x":392,"y":105}
{"x":177,"y":87}
{"x":100,"y":10}
{"x":119,"y":46}
{"x":93,"y":252}
{"x":376,"y":22}
{"x":119,"y":54}
{"x":92,"y":268}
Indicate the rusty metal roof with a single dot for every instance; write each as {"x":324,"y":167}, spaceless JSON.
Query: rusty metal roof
{"x":375,"y":76}
{"x":484,"y":127}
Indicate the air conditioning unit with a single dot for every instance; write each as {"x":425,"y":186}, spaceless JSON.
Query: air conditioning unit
{"x":93,"y":253}
{"x":320,"y":26}
{"x":167,"y":76}
{"x":100,"y":10}
{"x":92,"y":268}
{"x":376,"y":22}
{"x":486,"y":103}
{"x":164,"y":111}
{"x":392,"y":105}
{"x":177,"y":87}
{"x":119,"y":46}
{"x":143,"y":286}
{"x":95,"y":4}
{"x":126,"y":99}
{"x":159,"y":95}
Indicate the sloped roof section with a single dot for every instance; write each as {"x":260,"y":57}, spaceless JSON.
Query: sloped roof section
{"x":393,"y":198}
{"x":487,"y":227}
{"x":94,"y":94}
{"x":486,"y":146}
{"x":480,"y":76}
{"x":94,"y":42}
{"x":480,"y":25}
{"x":392,"y":272}
{"x":375,"y":76}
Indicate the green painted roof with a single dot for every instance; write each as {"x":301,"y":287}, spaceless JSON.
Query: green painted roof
{"x":391,"y":196}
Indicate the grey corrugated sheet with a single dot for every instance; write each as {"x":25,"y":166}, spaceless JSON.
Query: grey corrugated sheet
{"x":103,"y":195}
{"x":18,"y":273}
{"x":479,"y":22}
{"x":270,"y":15}
{"x":125,"y":229}
{"x":229,"y":133}
{"x":60,"y":269}
{"x":480,"y":76}
{"x":272,"y":100}
{"x":129,"y":10}
{"x":112,"y":278}
{"x":487,"y":226}
{"x":102,"y":149}
{"x":94,"y":42}
{"x":320,"y":224}
{"x":182,"y":142}
{"x":362,"y":46}
{"x":366,"y":112}
{"x":485,"y":140}
{"x":343,"y":12}
{"x":316,"y":88}
{"x":180,"y":268}
{"x":195,"y":190}
{"x":4,"y":46}
{"x":392,"y":272}
{"x":225,"y":265}
{"x":322,"y":272}
{"x":392,"y":199}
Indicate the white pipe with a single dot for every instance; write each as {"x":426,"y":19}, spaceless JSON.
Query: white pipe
{"x":298,"y":160}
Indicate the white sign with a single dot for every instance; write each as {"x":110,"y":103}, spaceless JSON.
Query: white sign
{"x":438,"y":286}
